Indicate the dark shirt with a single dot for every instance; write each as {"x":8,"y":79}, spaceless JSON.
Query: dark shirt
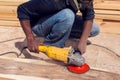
{"x":33,"y":10}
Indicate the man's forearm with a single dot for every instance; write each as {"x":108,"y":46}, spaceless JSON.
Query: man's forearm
{"x":27,"y":29}
{"x":31,"y":43}
{"x":86,"y":31}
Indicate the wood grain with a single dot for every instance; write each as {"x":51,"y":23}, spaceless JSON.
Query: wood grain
{"x":55,"y":71}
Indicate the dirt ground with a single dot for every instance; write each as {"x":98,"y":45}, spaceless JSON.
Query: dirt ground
{"x":103,"y":57}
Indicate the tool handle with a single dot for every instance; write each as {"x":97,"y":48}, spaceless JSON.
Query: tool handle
{"x":42,"y":48}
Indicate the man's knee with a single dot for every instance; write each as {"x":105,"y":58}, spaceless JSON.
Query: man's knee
{"x":68,"y":15}
{"x":95,"y":30}
{"x":65,"y":19}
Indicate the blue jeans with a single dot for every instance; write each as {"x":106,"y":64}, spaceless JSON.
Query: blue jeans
{"x":58,"y":28}
{"x":78,"y":27}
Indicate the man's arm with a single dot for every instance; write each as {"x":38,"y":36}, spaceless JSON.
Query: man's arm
{"x":31,"y":43}
{"x":83,"y":40}
{"x":88,"y":16}
{"x":24,"y":18}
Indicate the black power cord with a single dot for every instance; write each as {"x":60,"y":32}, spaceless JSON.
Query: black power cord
{"x":22,"y":51}
{"x":107,"y":49}
{"x":11,"y":52}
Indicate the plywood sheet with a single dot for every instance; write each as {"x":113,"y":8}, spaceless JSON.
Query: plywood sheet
{"x":104,"y":64}
{"x":51,"y":72}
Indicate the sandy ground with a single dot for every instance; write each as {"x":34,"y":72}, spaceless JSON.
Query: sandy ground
{"x":104,"y":61}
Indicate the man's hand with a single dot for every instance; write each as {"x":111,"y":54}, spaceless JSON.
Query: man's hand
{"x":82,"y":46}
{"x":83,"y":40}
{"x":32,"y":45}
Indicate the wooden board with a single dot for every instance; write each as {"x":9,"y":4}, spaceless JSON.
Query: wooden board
{"x":19,"y":77}
{"x":108,"y":26}
{"x":2,"y":78}
{"x":107,"y":17}
{"x":9,"y":23}
{"x":107,"y":6}
{"x":14,"y":0}
{"x":9,"y":17}
{"x":41,"y":67}
{"x":9,"y":3}
{"x":8,"y":9}
{"x":55,"y":71}
{"x":108,"y":12}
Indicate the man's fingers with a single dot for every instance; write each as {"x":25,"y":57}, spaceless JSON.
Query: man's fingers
{"x":41,"y":44}
{"x":31,"y":49}
{"x":36,"y":50}
{"x":83,"y":52}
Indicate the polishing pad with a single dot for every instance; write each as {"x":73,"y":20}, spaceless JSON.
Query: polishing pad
{"x":78,"y":69}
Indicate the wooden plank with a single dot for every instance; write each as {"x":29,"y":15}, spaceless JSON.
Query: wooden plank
{"x":107,"y":6}
{"x":2,"y":78}
{"x":3,"y":3}
{"x":53,"y":72}
{"x":107,"y":17}
{"x":8,"y":9}
{"x":107,"y":1}
{"x":110,"y":29}
{"x":111,"y":2}
{"x":109,"y":12}
{"x":11,"y":2}
{"x":108,"y":26}
{"x":11,"y":17}
{"x":9,"y":23}
{"x":14,"y":0}
{"x":18,"y":77}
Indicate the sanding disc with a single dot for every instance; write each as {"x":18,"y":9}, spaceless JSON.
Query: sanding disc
{"x":78,"y":69}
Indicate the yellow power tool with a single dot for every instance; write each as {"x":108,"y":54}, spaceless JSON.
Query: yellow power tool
{"x":67,"y":55}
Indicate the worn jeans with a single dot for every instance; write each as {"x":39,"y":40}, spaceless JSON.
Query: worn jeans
{"x":59,"y":27}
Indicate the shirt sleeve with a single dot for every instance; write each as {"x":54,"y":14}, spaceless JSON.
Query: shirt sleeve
{"x":22,"y":13}
{"x":86,"y":7}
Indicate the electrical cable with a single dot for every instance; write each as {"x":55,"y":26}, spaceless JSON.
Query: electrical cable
{"x":21,"y":51}
{"x":11,"y":51}
{"x":107,"y":49}
{"x":14,"y":52}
